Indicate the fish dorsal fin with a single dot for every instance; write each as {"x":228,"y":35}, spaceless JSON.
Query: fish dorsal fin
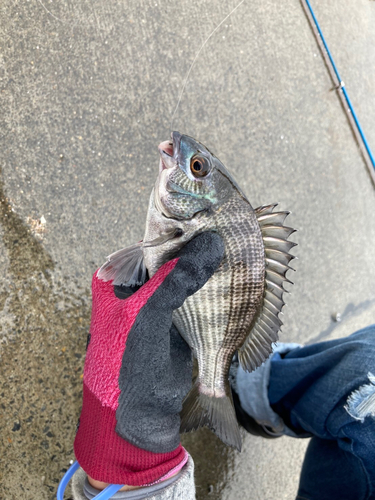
{"x":265,"y":328}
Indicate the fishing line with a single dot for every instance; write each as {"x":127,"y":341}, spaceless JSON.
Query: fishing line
{"x":196,"y":57}
{"x":341,"y":87}
{"x":64,"y":21}
{"x":50,"y":13}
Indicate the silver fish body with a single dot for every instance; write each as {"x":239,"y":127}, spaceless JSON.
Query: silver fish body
{"x":216,"y":320}
{"x":237,"y":309}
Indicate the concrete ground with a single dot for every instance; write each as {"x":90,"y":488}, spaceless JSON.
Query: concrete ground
{"x":87,"y":93}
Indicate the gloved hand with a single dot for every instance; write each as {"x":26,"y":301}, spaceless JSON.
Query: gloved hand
{"x":132,"y":397}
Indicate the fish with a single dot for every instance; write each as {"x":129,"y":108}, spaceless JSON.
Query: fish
{"x":238,"y":308}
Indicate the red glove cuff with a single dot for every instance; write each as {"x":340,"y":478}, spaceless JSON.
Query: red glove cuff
{"x":105,"y":456}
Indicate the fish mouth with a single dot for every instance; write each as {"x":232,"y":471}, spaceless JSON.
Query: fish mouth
{"x":168,"y":151}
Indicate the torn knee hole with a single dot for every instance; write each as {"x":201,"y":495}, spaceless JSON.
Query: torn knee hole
{"x":361,"y":402}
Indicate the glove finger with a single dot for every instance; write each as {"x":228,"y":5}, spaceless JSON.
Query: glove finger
{"x":178,"y":278}
{"x":149,"y":337}
{"x":124,"y":292}
{"x":196,"y":263}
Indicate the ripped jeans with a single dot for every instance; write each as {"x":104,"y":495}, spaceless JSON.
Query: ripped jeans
{"x":325,"y":391}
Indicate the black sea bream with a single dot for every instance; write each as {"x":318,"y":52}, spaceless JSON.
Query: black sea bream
{"x":238,"y":307}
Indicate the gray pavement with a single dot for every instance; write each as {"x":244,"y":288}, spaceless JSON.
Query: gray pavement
{"x":87,"y":93}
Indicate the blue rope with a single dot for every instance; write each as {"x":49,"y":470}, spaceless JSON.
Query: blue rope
{"x":342,"y":86}
{"x":107,"y":493}
{"x":65,"y":480}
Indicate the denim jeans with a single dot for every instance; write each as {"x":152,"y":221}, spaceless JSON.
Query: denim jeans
{"x":325,"y":391}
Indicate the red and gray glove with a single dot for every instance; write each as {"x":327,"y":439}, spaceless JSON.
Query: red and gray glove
{"x":138,"y":371}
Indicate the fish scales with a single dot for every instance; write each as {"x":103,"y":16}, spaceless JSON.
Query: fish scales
{"x":237,"y":309}
{"x":216,"y":320}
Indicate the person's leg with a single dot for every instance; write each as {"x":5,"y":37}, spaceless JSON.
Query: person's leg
{"x":322,"y":390}
{"x":324,"y":463}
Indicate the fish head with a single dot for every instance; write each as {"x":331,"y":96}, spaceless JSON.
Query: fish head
{"x":191,"y":179}
{"x":192,"y":185}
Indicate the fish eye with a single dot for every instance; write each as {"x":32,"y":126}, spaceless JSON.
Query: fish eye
{"x":199,"y":166}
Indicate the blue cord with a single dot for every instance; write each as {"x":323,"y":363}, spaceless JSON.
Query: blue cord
{"x":107,"y":493}
{"x":65,"y":480}
{"x":342,"y":86}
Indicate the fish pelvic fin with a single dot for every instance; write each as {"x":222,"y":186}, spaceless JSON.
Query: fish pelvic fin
{"x":216,"y":413}
{"x":265,"y":329}
{"x":125,"y":267}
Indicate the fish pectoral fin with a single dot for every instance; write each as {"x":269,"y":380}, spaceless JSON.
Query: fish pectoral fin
{"x":163,"y":238}
{"x":125,"y":267}
{"x":218,"y":414}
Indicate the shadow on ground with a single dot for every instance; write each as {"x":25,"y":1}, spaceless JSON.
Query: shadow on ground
{"x":42,"y":357}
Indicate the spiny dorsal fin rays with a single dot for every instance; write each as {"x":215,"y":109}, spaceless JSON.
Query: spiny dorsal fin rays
{"x":278,"y":243}
{"x":265,"y":209}
{"x":275,"y":288}
{"x":258,"y":344}
{"x":274,"y":299}
{"x":272,"y":218}
{"x":272,"y":317}
{"x":281,"y":232}
{"x":270,"y":306}
{"x":276,"y":277}
{"x":278,"y":266}
{"x":278,"y":255}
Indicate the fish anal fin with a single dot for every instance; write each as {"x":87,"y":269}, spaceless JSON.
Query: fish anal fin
{"x":217,"y":413}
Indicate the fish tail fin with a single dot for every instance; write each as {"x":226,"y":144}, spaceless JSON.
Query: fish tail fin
{"x":217,"y":413}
